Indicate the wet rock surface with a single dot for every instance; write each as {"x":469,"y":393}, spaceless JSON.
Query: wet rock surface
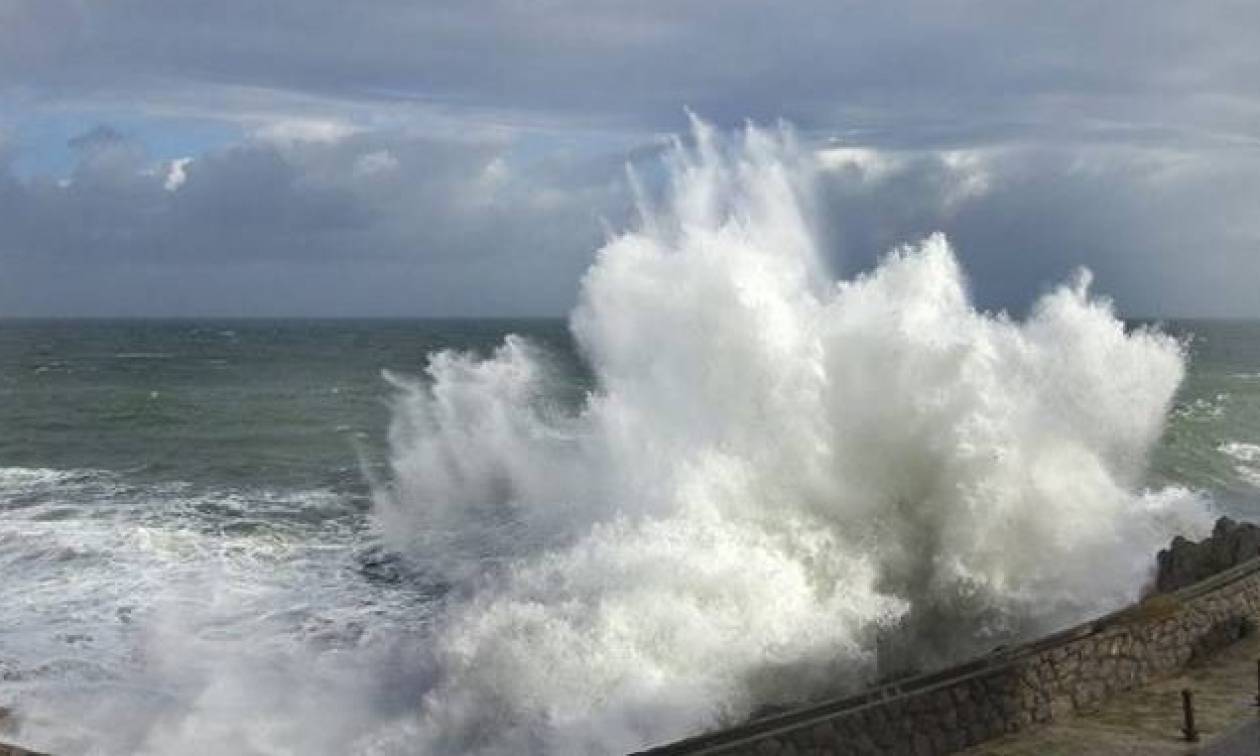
{"x":1186,"y":562}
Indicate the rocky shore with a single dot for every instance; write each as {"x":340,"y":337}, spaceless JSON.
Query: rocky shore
{"x":1187,"y":562}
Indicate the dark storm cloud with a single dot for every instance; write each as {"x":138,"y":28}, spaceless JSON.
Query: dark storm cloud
{"x":1165,"y":232}
{"x":373,"y":195}
{"x":389,"y":223}
{"x":418,"y":157}
{"x":99,"y":137}
{"x":454,"y":223}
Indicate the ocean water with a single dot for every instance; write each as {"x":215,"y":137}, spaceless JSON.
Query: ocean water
{"x":726,"y":481}
{"x":208,"y":479}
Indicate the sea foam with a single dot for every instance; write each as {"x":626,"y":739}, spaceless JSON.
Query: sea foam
{"x":781,"y":485}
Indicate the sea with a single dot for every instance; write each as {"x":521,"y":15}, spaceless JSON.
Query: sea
{"x":714,"y":487}
{"x":150,"y":467}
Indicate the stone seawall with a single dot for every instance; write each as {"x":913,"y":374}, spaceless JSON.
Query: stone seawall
{"x":1012,"y":688}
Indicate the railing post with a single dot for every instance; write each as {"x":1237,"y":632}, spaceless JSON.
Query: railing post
{"x":1187,"y":710}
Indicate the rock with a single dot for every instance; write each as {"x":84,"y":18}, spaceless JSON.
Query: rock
{"x":1185,"y":562}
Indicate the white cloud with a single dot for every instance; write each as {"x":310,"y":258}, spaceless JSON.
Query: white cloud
{"x":870,"y":164}
{"x":973,"y":177}
{"x":375,"y":163}
{"x":305,"y":130}
{"x":175,"y":174}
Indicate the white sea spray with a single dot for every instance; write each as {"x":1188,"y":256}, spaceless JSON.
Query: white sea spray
{"x":776,"y":473}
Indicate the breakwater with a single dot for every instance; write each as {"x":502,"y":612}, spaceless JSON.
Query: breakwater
{"x":1016,"y":687}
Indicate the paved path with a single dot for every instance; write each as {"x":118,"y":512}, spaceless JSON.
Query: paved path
{"x":1242,"y":741}
{"x":1148,"y":720}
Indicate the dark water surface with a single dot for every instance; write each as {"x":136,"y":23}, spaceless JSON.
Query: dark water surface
{"x":287,"y":403}
{"x":217,"y":403}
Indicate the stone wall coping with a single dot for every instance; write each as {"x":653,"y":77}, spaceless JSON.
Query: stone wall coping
{"x":995,"y":661}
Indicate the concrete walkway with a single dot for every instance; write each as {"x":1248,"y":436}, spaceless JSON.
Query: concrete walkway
{"x":1242,"y":741}
{"x":1149,"y":720}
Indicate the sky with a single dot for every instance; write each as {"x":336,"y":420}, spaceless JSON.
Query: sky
{"x":389,"y":158}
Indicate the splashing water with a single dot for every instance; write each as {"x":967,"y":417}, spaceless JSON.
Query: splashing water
{"x":774,"y":474}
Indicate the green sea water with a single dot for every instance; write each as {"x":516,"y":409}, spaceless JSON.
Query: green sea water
{"x":234,"y":403}
{"x":1212,"y":439}
{"x":246,"y":403}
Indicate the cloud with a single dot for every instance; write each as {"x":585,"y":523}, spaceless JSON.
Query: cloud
{"x":176,"y":174}
{"x":100,"y":137}
{"x":305,"y":130}
{"x":414,"y":218}
{"x":394,"y":223}
{"x":380,"y":162}
{"x":907,"y":71}
{"x":1167,"y":232}
{"x":467,"y":153}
